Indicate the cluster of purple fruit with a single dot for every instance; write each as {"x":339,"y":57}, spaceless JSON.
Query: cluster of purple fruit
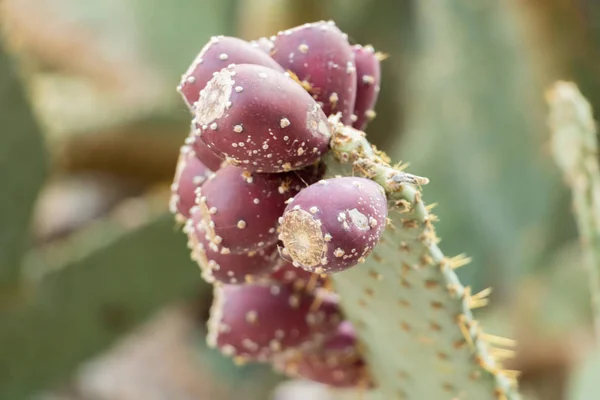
{"x":263,"y":224}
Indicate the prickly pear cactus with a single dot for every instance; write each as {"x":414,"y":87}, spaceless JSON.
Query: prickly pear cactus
{"x":412,"y":314}
{"x":360,"y":296}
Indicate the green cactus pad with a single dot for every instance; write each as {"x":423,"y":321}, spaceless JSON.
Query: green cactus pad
{"x":413,"y":316}
{"x":23,"y":169}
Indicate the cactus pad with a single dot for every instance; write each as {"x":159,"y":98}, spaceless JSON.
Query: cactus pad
{"x":428,"y":346}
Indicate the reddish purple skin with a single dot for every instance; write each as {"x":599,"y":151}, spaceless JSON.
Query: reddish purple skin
{"x":329,"y":315}
{"x":246,"y":206}
{"x":257,"y":321}
{"x":190,"y":174}
{"x":335,"y":363}
{"x":343,"y":341}
{"x":217,"y":54}
{"x":287,"y":274}
{"x":352,"y":214}
{"x":368,"y":74}
{"x":319,"y":53}
{"x":227,"y":268}
{"x":203,"y":153}
{"x":262,"y":120}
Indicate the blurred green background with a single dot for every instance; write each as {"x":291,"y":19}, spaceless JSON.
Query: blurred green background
{"x":98,"y":297}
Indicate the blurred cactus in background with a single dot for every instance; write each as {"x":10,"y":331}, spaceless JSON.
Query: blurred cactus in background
{"x":99,"y":298}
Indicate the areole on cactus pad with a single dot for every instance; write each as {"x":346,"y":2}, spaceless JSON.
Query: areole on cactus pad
{"x":323,"y":256}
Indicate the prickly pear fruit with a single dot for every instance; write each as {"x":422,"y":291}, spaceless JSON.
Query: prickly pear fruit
{"x":368,"y":75}
{"x":334,"y":223}
{"x":336,"y":363}
{"x":241,"y":209}
{"x":256,"y":321}
{"x":203,"y":153}
{"x":227,"y":268}
{"x":321,"y":57}
{"x":217,"y":54}
{"x":261,"y":119}
{"x":190,"y":174}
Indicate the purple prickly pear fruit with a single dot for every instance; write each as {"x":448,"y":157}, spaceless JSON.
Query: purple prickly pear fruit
{"x":261,"y":119}
{"x":190,"y":174}
{"x":227,"y":268}
{"x":321,"y":57}
{"x":217,"y":54}
{"x":257,"y":321}
{"x":336,"y":363}
{"x":368,"y":74}
{"x":241,"y":209}
{"x":203,"y":153}
{"x":334,"y":224}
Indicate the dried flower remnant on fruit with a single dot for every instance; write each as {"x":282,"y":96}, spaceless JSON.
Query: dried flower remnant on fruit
{"x":214,"y":98}
{"x":303,"y":238}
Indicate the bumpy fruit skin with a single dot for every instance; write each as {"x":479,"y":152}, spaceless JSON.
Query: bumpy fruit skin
{"x":336,"y":363}
{"x":320,"y":55}
{"x":190,"y":174}
{"x":227,"y":268}
{"x":334,"y":223}
{"x":261,"y":119}
{"x":241,"y":209}
{"x":368,"y":74}
{"x":257,"y":321}
{"x":203,"y":153}
{"x":217,"y":54}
